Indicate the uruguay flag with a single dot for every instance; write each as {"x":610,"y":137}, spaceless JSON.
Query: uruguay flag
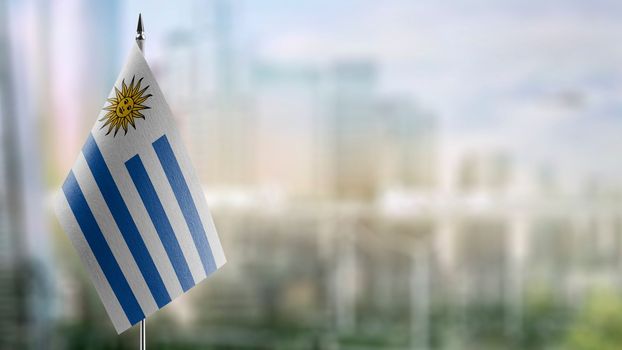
{"x":132,"y":204}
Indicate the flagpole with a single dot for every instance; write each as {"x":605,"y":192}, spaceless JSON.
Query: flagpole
{"x":140,"y":40}
{"x":143,"y":338}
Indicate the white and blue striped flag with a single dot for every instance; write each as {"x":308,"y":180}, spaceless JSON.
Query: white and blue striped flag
{"x":132,"y":204}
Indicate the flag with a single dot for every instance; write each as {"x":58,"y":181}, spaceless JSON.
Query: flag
{"x":132,"y":204}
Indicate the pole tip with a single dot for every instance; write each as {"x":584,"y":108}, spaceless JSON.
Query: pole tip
{"x":140,"y":30}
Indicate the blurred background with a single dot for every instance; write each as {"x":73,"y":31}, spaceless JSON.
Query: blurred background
{"x":383,"y":174}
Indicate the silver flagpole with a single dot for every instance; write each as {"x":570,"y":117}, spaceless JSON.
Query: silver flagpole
{"x":140,"y":40}
{"x":143,"y":331}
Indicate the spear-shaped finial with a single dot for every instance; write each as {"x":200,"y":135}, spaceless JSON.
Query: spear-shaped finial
{"x":140,"y":32}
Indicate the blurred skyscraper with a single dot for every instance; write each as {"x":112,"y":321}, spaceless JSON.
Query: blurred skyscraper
{"x":288,"y":98}
{"x":377,"y":142}
{"x":355,"y":129}
{"x":410,"y":143}
{"x":210,"y":101}
{"x":26,"y":292}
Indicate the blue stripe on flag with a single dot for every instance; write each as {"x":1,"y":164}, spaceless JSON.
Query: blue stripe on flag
{"x":158,"y":216}
{"x":101,"y":250}
{"x":186,"y":203}
{"x":124,"y":221}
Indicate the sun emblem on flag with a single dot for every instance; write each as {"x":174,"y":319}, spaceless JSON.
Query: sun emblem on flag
{"x":125,"y":107}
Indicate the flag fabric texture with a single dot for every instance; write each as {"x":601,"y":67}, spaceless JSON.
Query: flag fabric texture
{"x":132,"y":204}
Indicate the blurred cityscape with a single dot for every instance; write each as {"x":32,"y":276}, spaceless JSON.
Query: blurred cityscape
{"x":353,"y":216}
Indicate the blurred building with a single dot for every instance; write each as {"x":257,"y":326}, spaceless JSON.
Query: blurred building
{"x":375,"y":142}
{"x":410,"y":145}
{"x":287,"y":102}
{"x":210,"y":98}
{"x":355,"y":130}
{"x":26,"y":275}
{"x":488,"y":171}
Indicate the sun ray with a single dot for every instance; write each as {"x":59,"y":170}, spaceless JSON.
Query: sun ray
{"x":140,"y":107}
{"x":137,"y":87}
{"x":124,"y":108}
{"x":143,"y":90}
{"x":142,"y":99}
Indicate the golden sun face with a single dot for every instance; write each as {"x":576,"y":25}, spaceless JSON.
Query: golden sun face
{"x":125,"y":107}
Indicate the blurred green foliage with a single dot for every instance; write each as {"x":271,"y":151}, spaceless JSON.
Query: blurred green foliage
{"x":545,"y":319}
{"x":598,"y":325}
